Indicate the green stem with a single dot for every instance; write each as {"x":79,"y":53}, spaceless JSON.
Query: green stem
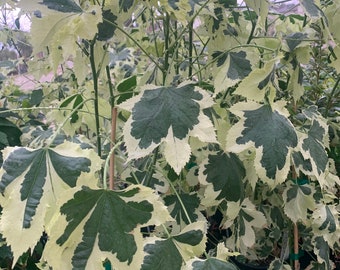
{"x":253,"y":26}
{"x":180,"y":201}
{"x":329,"y":102}
{"x":151,"y":170}
{"x":166,"y":24}
{"x":96,"y":99}
{"x":190,"y":27}
{"x":112,"y":97}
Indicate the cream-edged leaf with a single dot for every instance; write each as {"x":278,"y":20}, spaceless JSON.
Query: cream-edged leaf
{"x":168,"y":254}
{"x":93,"y":228}
{"x":30,"y":182}
{"x":168,"y":115}
{"x":298,"y":200}
{"x":248,"y":219}
{"x":258,"y":83}
{"x":267,"y":129}
{"x":177,"y":152}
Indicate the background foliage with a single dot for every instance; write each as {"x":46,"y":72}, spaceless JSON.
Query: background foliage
{"x":169,"y":134}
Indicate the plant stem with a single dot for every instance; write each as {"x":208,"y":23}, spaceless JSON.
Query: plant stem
{"x":296,"y":232}
{"x":329,"y":102}
{"x":113,"y":129}
{"x":107,"y":161}
{"x":151,"y":168}
{"x":166,"y":23}
{"x":190,"y":27}
{"x":296,"y":247}
{"x":95,"y":88}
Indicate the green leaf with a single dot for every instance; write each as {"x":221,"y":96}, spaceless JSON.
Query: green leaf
{"x":190,"y":203}
{"x":125,"y":5}
{"x":226,"y":173}
{"x":268,"y":130}
{"x":62,"y":5}
{"x":125,"y":88}
{"x":32,"y":181}
{"x":211,"y":264}
{"x":298,"y":201}
{"x":235,"y":67}
{"x":73,"y":102}
{"x":162,"y":108}
{"x":10,"y":133}
{"x":170,"y":253}
{"x":314,"y":148}
{"x":162,"y":254}
{"x":36,"y":97}
{"x":106,"y":28}
{"x":109,"y":218}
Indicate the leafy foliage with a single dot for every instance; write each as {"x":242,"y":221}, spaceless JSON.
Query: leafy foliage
{"x":153,"y":131}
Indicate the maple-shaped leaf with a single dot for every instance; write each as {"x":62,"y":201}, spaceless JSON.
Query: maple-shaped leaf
{"x":232,"y":67}
{"x":182,"y":205}
{"x":258,"y":83}
{"x":209,"y":264}
{"x":169,"y":115}
{"x":95,"y":224}
{"x":268,"y":129}
{"x":298,"y":200}
{"x":30,"y":180}
{"x":162,"y":108}
{"x":62,"y":5}
{"x":169,"y":254}
{"x":313,"y":147}
{"x":226,"y":173}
